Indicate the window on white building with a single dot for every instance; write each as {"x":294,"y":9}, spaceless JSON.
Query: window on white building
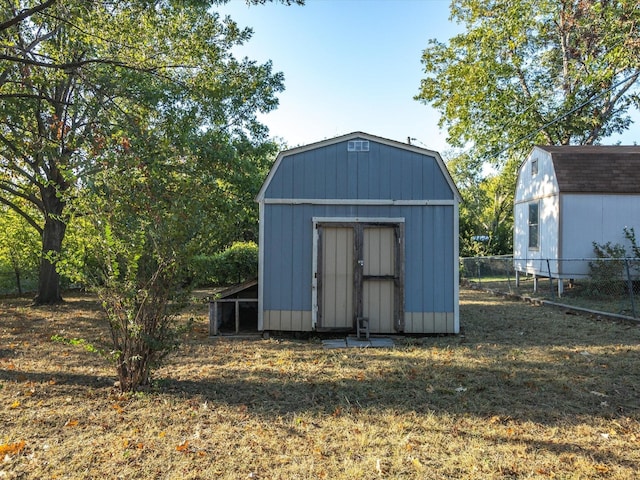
{"x":534,"y":230}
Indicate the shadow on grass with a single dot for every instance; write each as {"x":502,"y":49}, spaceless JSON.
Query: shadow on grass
{"x":531,"y":392}
{"x":535,"y":365}
{"x":57,"y":378}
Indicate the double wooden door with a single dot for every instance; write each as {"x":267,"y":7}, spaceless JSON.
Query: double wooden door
{"x":360,"y":274}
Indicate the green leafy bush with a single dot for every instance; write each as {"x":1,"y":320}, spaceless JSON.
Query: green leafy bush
{"x":235,"y":264}
{"x":607,"y":272}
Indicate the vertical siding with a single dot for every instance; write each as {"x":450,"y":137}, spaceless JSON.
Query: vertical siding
{"x":595,"y":218}
{"x":336,"y":175}
{"x":542,"y":184}
{"x":396,"y":176}
{"x":414,"y":282}
{"x":419,"y":181}
{"x":382,"y":172}
{"x":287,"y":261}
{"x":519,"y":236}
{"x":288,"y":320}
{"x":332,"y":182}
{"x":377,"y":304}
{"x":299,"y":177}
{"x":298,"y":251}
{"x":549,"y":227}
{"x":385,"y":172}
{"x":448,"y":253}
{"x":430,"y":322}
{"x":272,"y":270}
{"x":406,"y":180}
{"x":384,"y":175}
{"x":430,"y":258}
{"x":543,"y":188}
{"x":351,"y":174}
{"x":285,"y":172}
{"x":287,"y":257}
{"x":429,"y":273}
{"x":533,"y":260}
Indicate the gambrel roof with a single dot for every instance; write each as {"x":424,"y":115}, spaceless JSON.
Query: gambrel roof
{"x":596,"y":168}
{"x":312,"y":164}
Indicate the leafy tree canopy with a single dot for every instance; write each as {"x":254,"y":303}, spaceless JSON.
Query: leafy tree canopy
{"x":534,"y":71}
{"x":19,"y":252}
{"x":555,"y":72}
{"x":83,"y":82}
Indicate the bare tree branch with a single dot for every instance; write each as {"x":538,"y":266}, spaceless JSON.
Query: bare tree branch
{"x":70,"y":66}
{"x":26,"y":13}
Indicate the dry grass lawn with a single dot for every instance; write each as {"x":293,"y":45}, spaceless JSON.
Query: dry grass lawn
{"x":527,"y":392}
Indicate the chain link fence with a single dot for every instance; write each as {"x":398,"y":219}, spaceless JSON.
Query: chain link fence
{"x":610,"y":285}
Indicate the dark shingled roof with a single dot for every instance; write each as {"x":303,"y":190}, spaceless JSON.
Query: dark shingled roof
{"x":596,"y":168}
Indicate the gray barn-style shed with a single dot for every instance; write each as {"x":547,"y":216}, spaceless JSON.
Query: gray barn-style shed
{"x":358,"y":226}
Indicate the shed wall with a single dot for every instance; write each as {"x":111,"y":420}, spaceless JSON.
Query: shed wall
{"x":540,"y":187}
{"x":331,"y":172}
{"x":595,"y":218}
{"x":542,"y":184}
{"x":534,"y":260}
{"x":430,"y":283}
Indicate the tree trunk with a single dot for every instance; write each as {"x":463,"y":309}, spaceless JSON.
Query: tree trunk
{"x":18,"y":282}
{"x":52,"y":236}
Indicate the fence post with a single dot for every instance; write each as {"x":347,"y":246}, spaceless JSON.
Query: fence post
{"x":213,"y":318}
{"x":508,"y":268}
{"x":553,"y":294}
{"x":630,"y":287}
{"x":478,"y":271}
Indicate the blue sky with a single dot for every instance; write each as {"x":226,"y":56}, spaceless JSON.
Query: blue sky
{"x":350,"y":65}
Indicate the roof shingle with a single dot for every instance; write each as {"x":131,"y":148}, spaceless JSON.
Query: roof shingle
{"x":596,"y":168}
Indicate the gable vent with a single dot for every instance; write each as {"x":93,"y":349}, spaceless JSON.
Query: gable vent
{"x":358,"y":146}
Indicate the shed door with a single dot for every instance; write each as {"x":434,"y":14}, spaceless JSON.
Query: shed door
{"x":360,"y":275}
{"x":378,"y":265}
{"x":336,"y":282}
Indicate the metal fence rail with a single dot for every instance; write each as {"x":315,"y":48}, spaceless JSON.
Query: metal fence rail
{"x":609,"y":285}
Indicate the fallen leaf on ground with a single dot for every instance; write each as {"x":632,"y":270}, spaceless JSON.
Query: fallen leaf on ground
{"x":11,"y":448}
{"x":184,"y":447}
{"x":417,"y":464}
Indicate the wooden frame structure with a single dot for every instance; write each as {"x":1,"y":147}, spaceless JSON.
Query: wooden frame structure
{"x":226,"y":297}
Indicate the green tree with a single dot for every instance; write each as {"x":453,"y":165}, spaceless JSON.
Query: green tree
{"x":553,"y":72}
{"x":485,"y":222}
{"x":79,"y":80}
{"x":232,"y":203}
{"x":19,"y":252}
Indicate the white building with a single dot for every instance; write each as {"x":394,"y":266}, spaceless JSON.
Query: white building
{"x":567,"y":198}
